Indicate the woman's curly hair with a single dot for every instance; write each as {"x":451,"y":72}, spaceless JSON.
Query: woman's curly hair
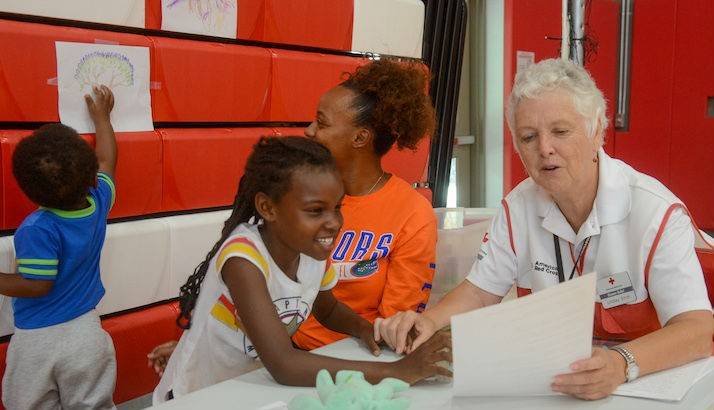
{"x":392,"y":100}
{"x":54,"y":166}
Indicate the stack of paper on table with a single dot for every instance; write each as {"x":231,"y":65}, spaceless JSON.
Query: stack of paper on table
{"x":668,"y":385}
{"x":516,"y":348}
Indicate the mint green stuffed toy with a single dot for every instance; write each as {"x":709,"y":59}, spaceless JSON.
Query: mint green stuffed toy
{"x":351,"y":391}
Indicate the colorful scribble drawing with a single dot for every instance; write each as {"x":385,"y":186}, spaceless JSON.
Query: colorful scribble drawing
{"x":104,"y":67}
{"x":214,"y":14}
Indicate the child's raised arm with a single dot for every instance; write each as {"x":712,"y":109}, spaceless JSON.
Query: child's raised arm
{"x":99,"y":108}
{"x":291,"y":366}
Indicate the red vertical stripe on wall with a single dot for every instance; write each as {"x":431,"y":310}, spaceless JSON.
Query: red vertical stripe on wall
{"x":527,"y":23}
{"x":646,"y":145}
{"x":691,"y":149}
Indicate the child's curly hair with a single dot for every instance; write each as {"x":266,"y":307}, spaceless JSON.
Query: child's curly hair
{"x":391,"y":99}
{"x":54,"y":167}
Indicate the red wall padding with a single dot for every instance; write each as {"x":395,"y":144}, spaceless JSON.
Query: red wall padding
{"x":527,"y":22}
{"x":318,"y":23}
{"x":288,"y":131}
{"x":229,"y":83}
{"x":202,"y":167}
{"x":203,"y":82}
{"x":29,"y":61}
{"x":138,"y":177}
{"x":251,"y":19}
{"x":314,"y":23}
{"x":134,"y":335}
{"x":299,"y":79}
{"x":407,"y":164}
{"x":692,"y":151}
{"x":646,"y":146}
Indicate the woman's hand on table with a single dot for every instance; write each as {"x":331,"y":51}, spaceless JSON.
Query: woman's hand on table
{"x":405,"y":331}
{"x":593,"y":378}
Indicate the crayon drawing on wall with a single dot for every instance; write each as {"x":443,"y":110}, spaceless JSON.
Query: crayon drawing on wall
{"x":209,"y":17}
{"x":124,"y":69}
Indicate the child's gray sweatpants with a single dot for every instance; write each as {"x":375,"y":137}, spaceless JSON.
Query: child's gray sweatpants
{"x":71,"y":365}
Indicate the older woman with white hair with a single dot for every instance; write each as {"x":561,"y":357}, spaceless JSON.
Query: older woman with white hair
{"x":582,"y":211}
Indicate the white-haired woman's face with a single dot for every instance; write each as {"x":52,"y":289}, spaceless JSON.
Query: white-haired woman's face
{"x":552,"y":140}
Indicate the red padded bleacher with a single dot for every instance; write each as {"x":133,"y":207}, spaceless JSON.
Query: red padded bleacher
{"x":138,"y":174}
{"x":316,"y":23}
{"x":209,"y":82}
{"x":138,"y":177}
{"x":29,"y":61}
{"x":251,"y":19}
{"x":407,"y":164}
{"x":289,"y":131}
{"x":181,"y":169}
{"x":299,"y":79}
{"x":134,"y":335}
{"x":202,"y":167}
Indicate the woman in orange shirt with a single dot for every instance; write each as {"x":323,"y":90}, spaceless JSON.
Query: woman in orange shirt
{"x":385,"y":253}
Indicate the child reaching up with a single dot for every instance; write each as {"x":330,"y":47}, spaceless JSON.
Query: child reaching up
{"x":266,"y":274}
{"x":59,"y":356}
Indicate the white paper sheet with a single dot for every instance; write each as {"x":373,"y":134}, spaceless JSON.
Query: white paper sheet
{"x":668,"y":385}
{"x":516,"y":348}
{"x":119,"y":12}
{"x":209,"y":17}
{"x":393,"y":27}
{"x":124,"y":69}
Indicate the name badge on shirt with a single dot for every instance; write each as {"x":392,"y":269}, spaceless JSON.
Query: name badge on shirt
{"x":615,"y":290}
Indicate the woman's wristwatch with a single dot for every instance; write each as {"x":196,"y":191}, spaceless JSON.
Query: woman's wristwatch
{"x":632,"y":371}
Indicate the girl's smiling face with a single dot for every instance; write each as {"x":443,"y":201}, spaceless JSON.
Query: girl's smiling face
{"x":307,"y":218}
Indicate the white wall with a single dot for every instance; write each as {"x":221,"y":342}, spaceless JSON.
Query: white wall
{"x":494,"y":100}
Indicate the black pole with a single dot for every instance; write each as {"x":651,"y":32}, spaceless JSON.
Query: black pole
{"x":444,"y":37}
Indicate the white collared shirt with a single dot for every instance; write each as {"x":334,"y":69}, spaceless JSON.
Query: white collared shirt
{"x":623,"y":225}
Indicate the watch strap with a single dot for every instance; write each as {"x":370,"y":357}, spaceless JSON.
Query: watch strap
{"x":629,"y":359}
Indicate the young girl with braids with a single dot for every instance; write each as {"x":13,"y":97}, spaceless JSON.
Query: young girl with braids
{"x":265,"y":275}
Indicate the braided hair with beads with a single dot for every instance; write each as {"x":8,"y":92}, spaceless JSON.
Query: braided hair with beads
{"x":269,"y":170}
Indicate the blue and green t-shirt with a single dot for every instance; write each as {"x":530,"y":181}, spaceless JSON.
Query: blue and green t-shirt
{"x":64,"y":247}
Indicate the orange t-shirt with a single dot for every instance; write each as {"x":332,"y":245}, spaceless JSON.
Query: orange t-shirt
{"x":384,"y":256}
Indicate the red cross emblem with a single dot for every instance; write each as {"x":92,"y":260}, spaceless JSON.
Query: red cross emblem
{"x":612,"y":281}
